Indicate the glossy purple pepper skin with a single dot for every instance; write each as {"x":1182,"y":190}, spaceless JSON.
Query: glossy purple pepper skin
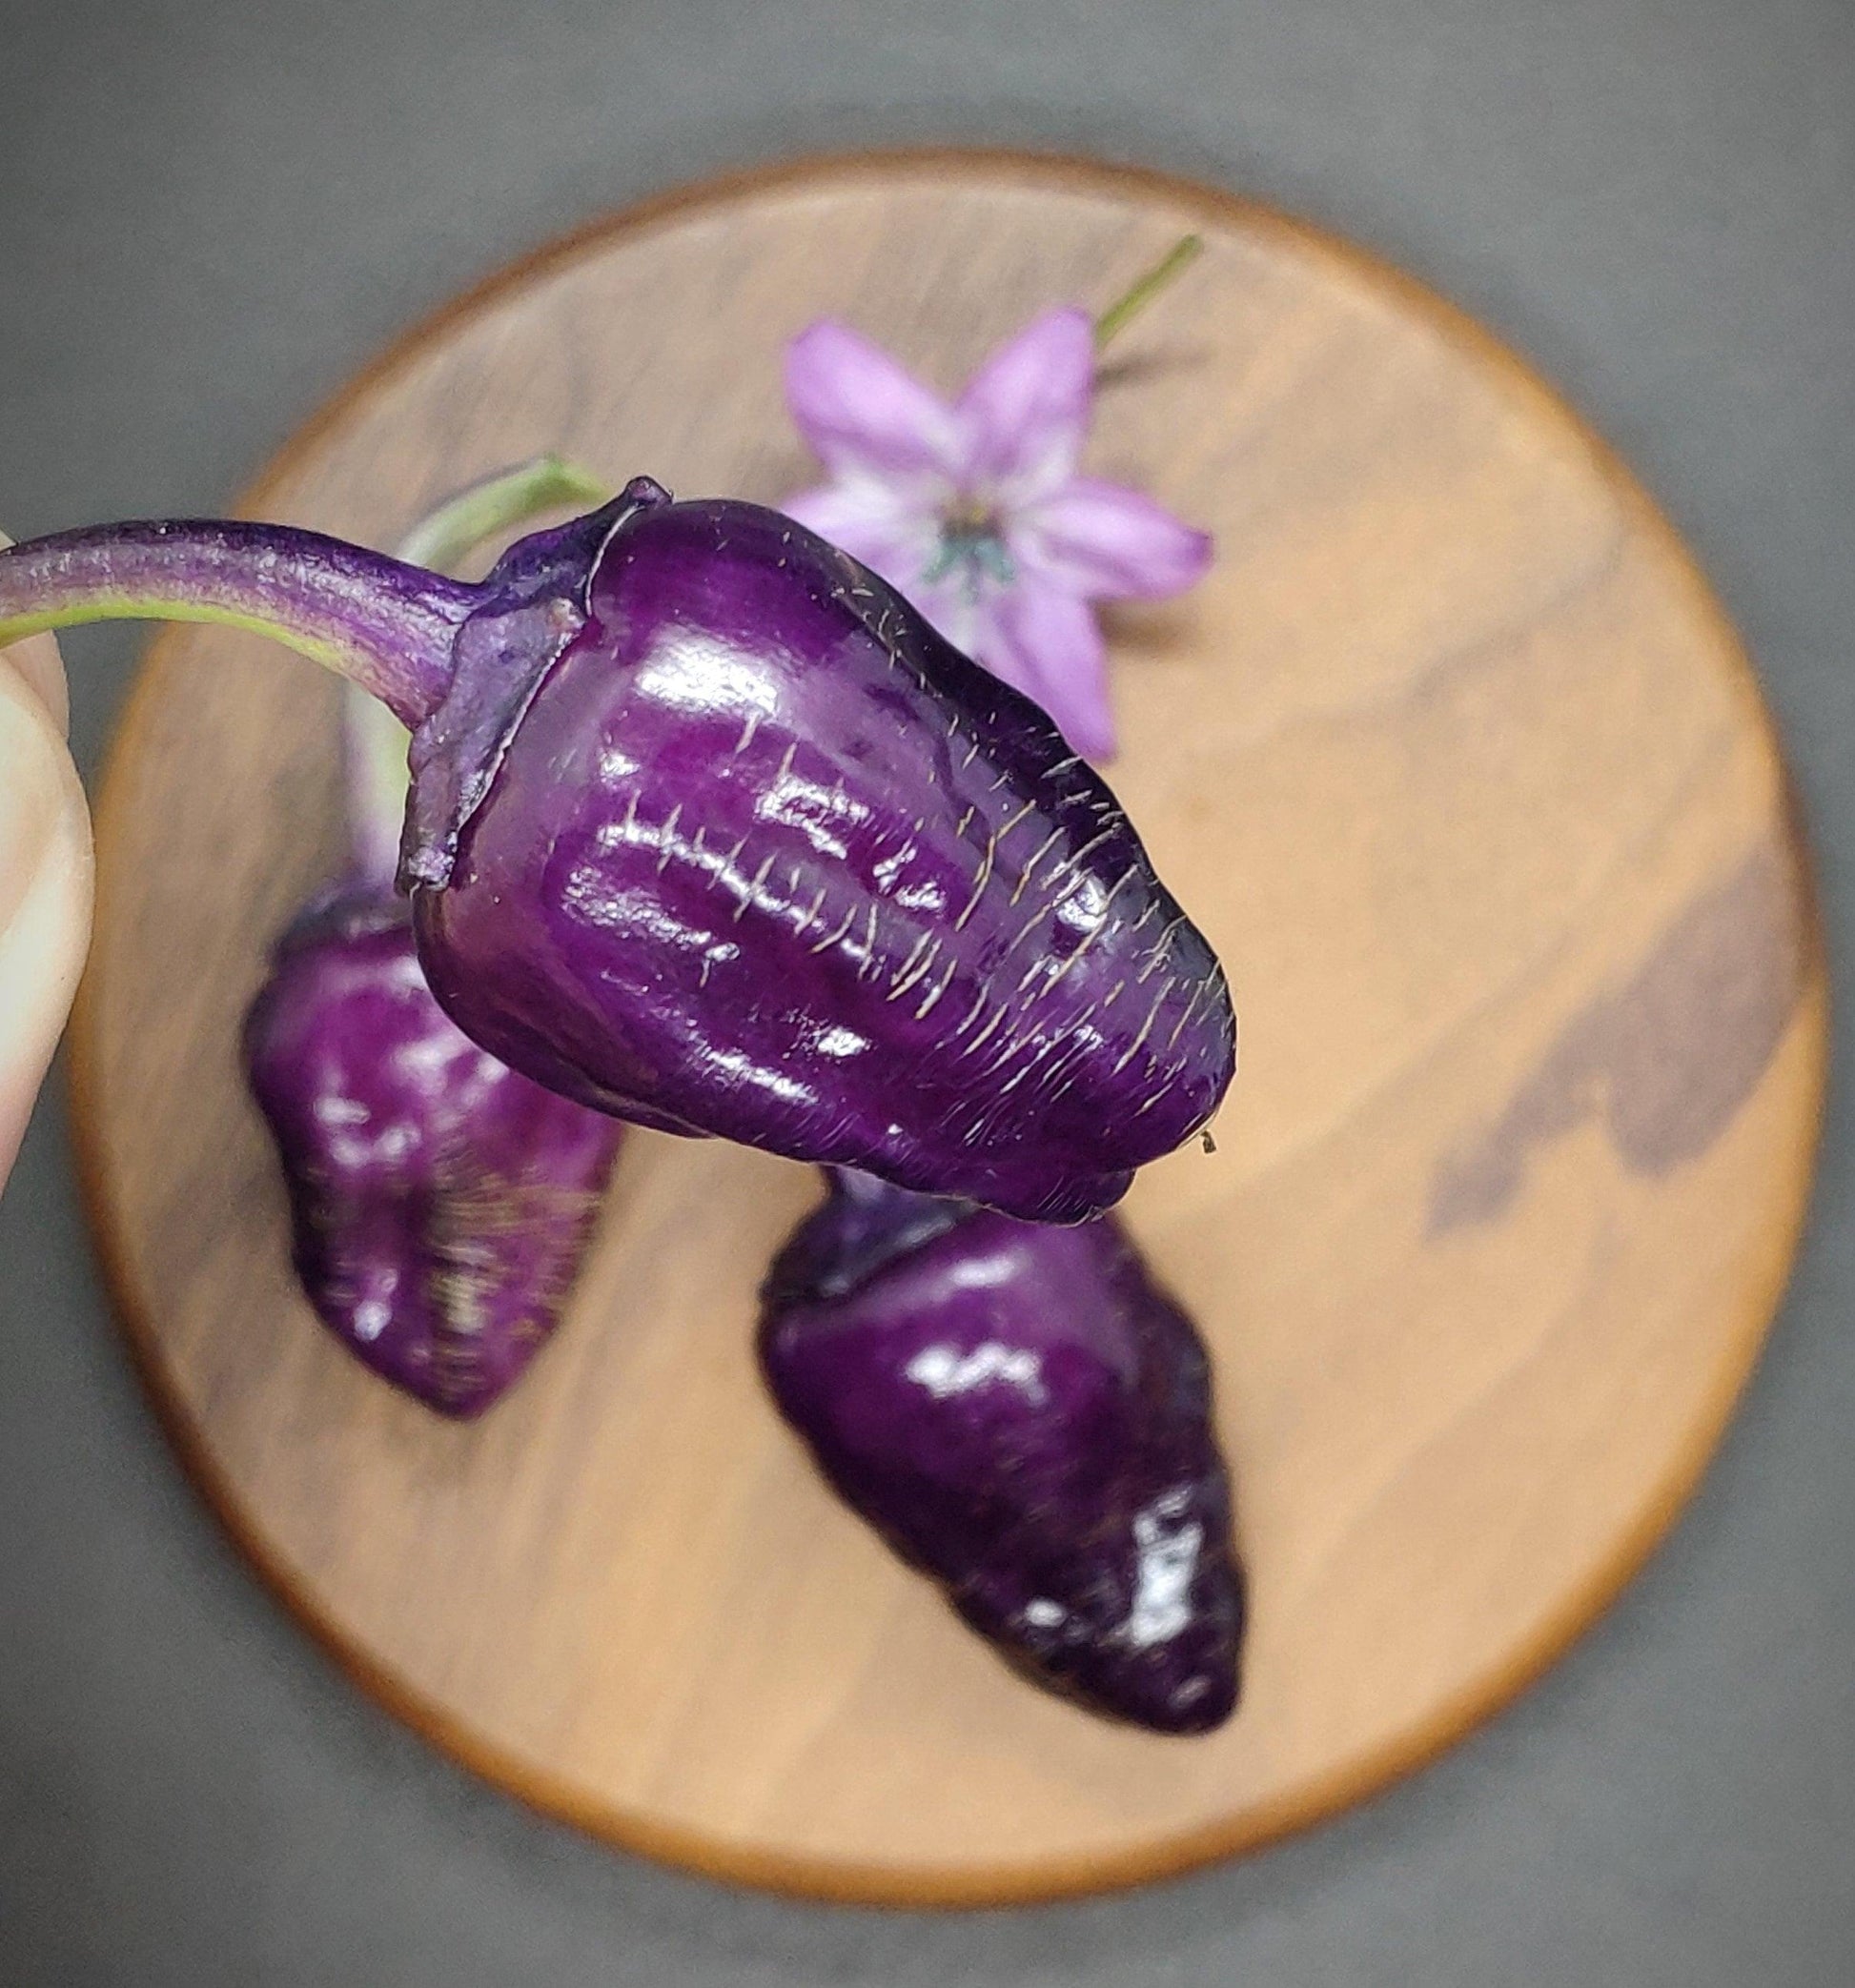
{"x":439,"y":1202}
{"x":1027,"y":1419}
{"x":753,"y":852}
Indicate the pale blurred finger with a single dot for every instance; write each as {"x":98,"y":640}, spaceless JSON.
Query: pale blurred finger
{"x":37,"y":661}
{"x":45,"y":879}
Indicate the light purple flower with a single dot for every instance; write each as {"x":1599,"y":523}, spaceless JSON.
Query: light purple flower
{"x":975,"y":511}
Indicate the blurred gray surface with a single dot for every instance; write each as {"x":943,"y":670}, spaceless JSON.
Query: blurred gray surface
{"x":211,"y":211}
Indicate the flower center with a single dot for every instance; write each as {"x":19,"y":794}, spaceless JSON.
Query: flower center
{"x":971,"y":545}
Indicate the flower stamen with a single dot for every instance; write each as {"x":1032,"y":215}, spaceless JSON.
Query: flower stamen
{"x":971,"y":544}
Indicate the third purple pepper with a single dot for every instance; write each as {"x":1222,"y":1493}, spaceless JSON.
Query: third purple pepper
{"x":1025,"y":1416}
{"x":710,"y":829}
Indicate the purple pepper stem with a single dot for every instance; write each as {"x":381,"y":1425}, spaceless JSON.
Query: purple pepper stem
{"x":387,"y":626}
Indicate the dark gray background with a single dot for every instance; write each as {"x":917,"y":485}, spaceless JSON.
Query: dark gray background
{"x":210,"y":212}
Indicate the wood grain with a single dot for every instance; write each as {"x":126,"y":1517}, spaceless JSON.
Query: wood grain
{"x":1457,"y":762}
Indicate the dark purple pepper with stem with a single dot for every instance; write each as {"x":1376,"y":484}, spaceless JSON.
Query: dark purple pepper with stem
{"x":1026,"y":1417}
{"x":711,"y":830}
{"x":439,"y":1202}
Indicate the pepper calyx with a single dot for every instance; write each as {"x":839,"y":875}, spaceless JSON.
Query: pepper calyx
{"x":535,"y":602}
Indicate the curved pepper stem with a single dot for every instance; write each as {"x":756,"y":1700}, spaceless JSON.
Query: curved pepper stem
{"x":374,"y":740}
{"x":383,"y":624}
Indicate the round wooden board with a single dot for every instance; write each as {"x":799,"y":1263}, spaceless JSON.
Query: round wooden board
{"x":1457,"y":762}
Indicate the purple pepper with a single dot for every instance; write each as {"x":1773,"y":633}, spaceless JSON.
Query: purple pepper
{"x":1024,"y":1417}
{"x":711,"y":830}
{"x":439,"y":1203}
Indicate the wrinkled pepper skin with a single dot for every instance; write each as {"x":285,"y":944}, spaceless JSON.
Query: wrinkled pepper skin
{"x":1026,"y":1419}
{"x":755,"y":853}
{"x":439,"y":1202}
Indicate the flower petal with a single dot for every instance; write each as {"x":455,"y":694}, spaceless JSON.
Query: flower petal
{"x":1043,"y":639}
{"x":890,"y":532}
{"x":860,"y":411}
{"x":954,"y":608}
{"x":1025,"y":411}
{"x":1109,"y":544}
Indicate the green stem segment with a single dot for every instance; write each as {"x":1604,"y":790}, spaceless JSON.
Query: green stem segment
{"x":1142,"y":290}
{"x":375,"y":739}
{"x":449,"y":534}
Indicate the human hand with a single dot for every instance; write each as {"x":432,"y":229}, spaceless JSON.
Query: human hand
{"x":44,"y":877}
